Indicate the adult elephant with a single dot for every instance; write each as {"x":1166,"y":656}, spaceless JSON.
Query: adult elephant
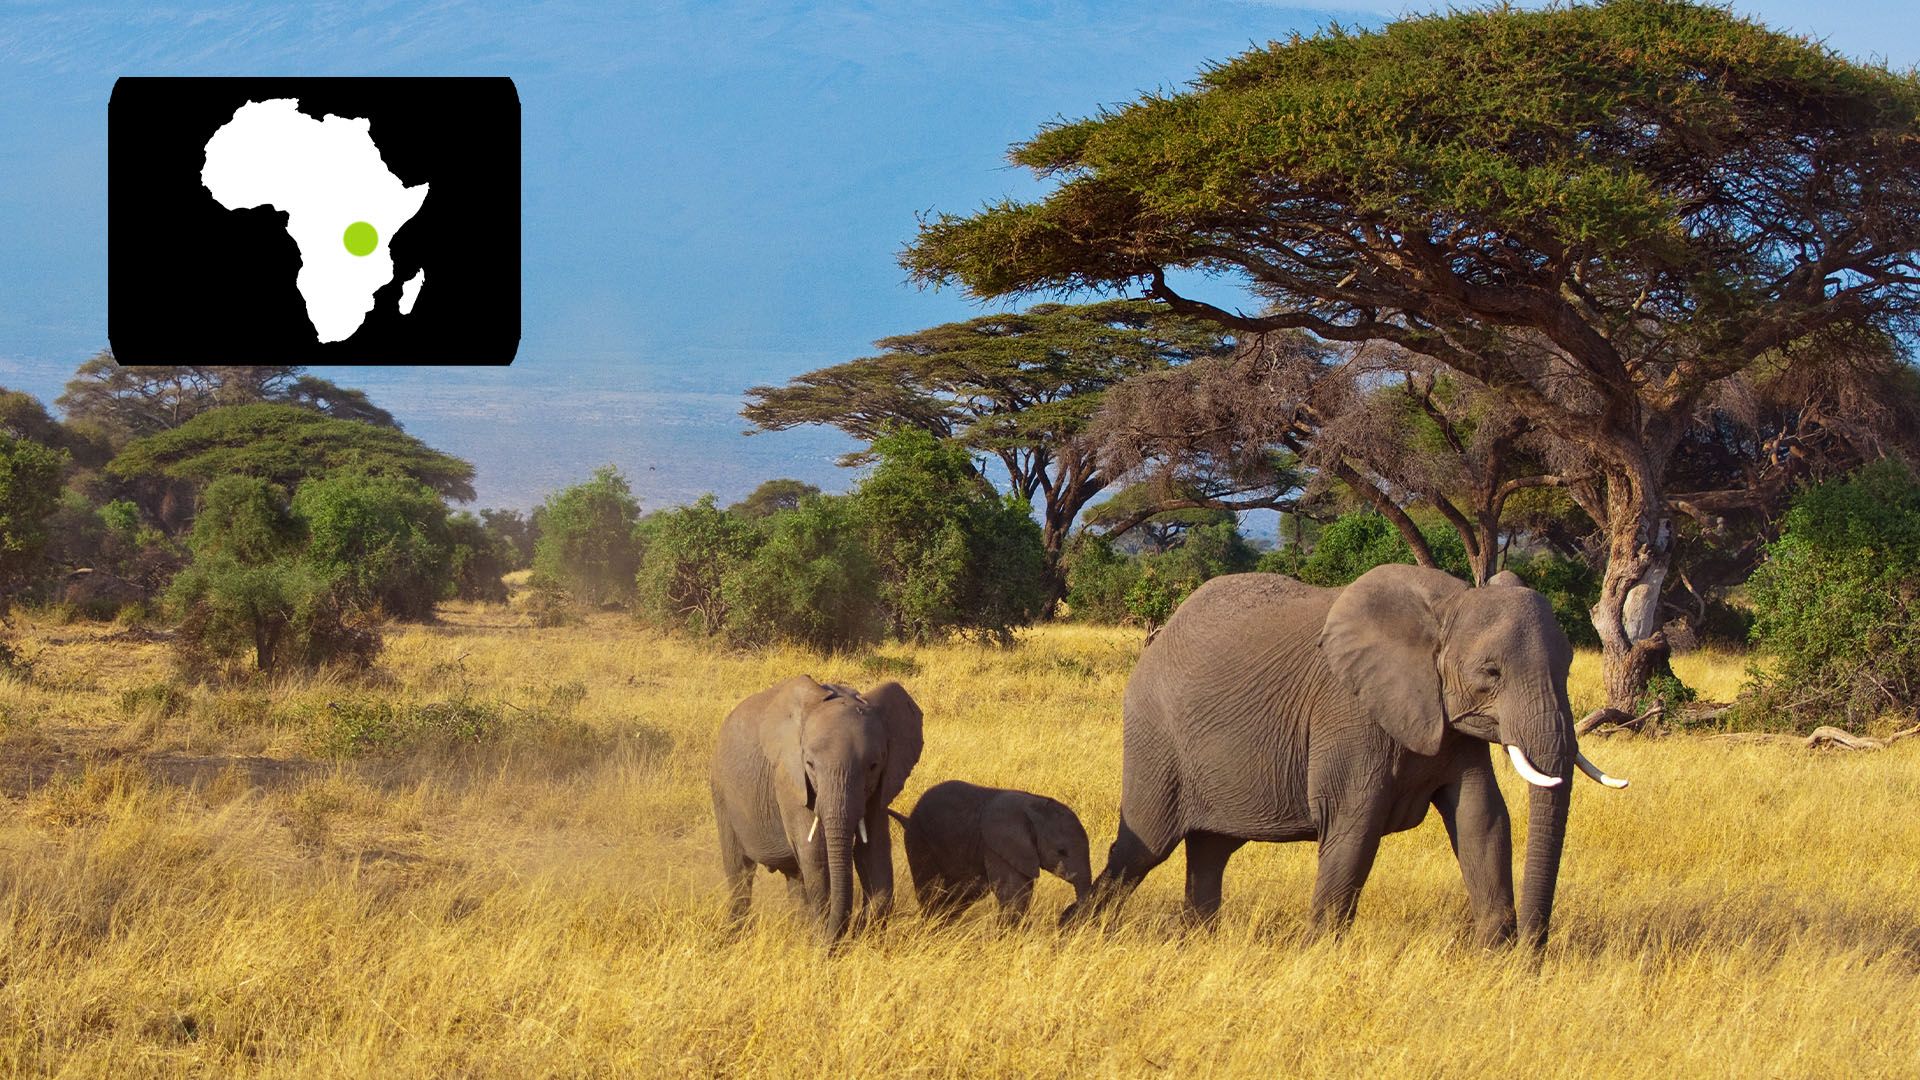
{"x":1266,"y":709}
{"x":802,"y":775}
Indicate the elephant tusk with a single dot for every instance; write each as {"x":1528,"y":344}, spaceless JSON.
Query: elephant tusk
{"x":863,"y":830}
{"x":1526,"y":770}
{"x":1593,"y":771}
{"x":814,"y":828}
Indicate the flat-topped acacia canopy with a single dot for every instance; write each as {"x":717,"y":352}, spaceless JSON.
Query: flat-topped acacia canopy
{"x":1596,"y":210}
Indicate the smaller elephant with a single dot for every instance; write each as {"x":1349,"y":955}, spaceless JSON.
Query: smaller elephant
{"x":965,"y":841}
{"x":802,"y":775}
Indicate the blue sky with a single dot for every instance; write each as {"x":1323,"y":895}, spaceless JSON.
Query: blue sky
{"x":713,"y":193}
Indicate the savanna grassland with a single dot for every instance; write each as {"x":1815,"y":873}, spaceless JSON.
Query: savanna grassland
{"x":496,"y":858}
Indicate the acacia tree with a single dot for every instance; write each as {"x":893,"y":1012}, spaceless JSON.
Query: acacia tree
{"x":1596,"y":211}
{"x":1021,"y":386}
{"x":128,"y":402}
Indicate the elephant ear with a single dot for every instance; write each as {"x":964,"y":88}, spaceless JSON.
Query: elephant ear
{"x":901,"y":716}
{"x":780,"y":735}
{"x":1507,"y":577}
{"x":1382,"y":640}
{"x":1013,"y":834}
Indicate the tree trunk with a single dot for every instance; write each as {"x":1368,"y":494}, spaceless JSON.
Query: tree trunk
{"x":1639,"y":549}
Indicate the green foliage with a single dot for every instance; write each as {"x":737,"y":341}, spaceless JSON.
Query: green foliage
{"x":384,"y":538}
{"x":1098,"y":580}
{"x":1570,"y":585}
{"x":29,"y":492}
{"x":689,"y":552}
{"x":357,"y":727}
{"x":250,"y":587}
{"x":773,"y":497}
{"x":1021,"y":386}
{"x":246,"y":519}
{"x":286,"y":612}
{"x":288,"y":445}
{"x":587,"y":543}
{"x":952,"y":555}
{"x":1837,"y":603}
{"x":478,"y":559}
{"x":516,"y":531}
{"x":1577,"y":127}
{"x":1105,"y":585}
{"x":1168,"y":578}
{"x":809,"y":581}
{"x":124,"y":402}
{"x":1360,"y":540}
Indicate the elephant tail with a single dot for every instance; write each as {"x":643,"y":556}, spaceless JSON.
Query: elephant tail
{"x":897,"y":816}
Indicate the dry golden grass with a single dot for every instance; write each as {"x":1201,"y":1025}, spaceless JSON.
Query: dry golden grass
{"x":539,"y":910}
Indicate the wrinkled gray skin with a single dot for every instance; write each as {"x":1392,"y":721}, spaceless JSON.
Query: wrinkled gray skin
{"x":801,"y":749}
{"x":1270,"y":710}
{"x":965,"y":842}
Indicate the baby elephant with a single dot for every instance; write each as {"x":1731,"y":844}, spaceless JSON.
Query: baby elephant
{"x":964,"y":841}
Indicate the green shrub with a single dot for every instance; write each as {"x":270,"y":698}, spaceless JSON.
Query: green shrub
{"x":689,"y":552}
{"x":1098,"y":579}
{"x":478,"y":558}
{"x":1837,"y":602}
{"x":810,"y":581}
{"x":952,"y":554}
{"x":29,"y":493}
{"x":586,"y":539}
{"x":383,"y":538}
{"x":251,"y":589}
{"x":1360,"y":540}
{"x":368,"y":726}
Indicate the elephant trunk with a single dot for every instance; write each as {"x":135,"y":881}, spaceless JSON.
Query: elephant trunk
{"x":1540,"y":741}
{"x":1543,"y":748}
{"x":1546,"y":833}
{"x":838,"y":821}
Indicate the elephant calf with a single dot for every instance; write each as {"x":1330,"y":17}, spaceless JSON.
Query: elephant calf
{"x":964,"y":841}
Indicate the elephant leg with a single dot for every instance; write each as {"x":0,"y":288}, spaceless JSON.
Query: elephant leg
{"x":737,"y":867}
{"x":1015,"y":894}
{"x":796,"y":888}
{"x":873,"y":861}
{"x":1482,"y":839}
{"x":1207,"y":855}
{"x":1348,"y":843}
{"x":942,"y":901}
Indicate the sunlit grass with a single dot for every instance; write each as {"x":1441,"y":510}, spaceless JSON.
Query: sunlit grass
{"x":513,"y":911}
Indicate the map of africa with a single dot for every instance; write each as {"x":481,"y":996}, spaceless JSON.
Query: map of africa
{"x":342,"y":203}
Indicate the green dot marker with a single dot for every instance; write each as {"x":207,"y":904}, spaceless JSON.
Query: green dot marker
{"x":361,"y":239}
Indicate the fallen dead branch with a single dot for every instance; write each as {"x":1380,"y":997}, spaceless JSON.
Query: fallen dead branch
{"x":1834,"y":737}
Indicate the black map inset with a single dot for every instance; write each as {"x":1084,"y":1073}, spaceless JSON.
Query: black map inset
{"x":191,"y":282}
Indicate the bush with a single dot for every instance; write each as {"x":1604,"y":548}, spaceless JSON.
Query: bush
{"x":952,"y":555}
{"x":1167,"y":579}
{"x":811,"y":581}
{"x":250,"y":588}
{"x":586,"y":538}
{"x":547,"y":604}
{"x":1098,"y":579}
{"x":1837,"y":602}
{"x":688,"y":554}
{"x":29,"y":494}
{"x":1360,"y":540}
{"x":287,"y":612}
{"x":478,"y":559}
{"x":383,"y":538}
